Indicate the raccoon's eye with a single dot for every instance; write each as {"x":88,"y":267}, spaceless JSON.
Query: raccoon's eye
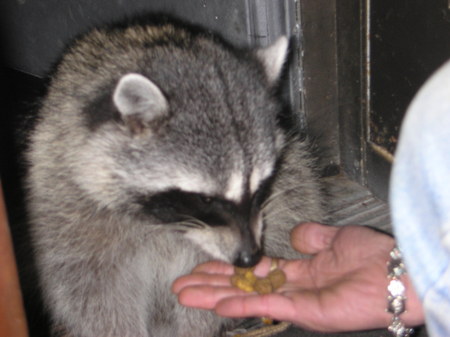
{"x":206,"y":200}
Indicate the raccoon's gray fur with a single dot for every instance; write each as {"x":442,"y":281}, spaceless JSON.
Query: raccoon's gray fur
{"x":158,"y":148}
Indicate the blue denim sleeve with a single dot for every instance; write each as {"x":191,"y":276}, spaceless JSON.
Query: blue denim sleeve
{"x":420,"y":198}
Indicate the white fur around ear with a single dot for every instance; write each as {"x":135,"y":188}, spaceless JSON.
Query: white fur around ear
{"x":273,"y":58}
{"x":137,"y":97}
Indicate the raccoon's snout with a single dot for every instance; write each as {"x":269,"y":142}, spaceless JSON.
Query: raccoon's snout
{"x":247,"y":258}
{"x":249,"y":252}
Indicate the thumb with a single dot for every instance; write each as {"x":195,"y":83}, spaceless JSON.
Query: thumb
{"x":311,"y":237}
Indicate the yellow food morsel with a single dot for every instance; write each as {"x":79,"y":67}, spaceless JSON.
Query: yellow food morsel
{"x":246,"y":280}
{"x":241,"y":283}
{"x":250,"y":276}
{"x":277,"y":278}
{"x":266,"y":320}
{"x":242,"y":271}
{"x":263,"y":286}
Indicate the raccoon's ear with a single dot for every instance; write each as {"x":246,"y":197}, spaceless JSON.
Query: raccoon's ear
{"x":273,"y":58}
{"x":139,"y":101}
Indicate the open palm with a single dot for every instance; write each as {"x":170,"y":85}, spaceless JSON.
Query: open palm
{"x":342,"y":287}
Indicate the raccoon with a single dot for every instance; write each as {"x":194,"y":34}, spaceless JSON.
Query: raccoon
{"x":158,"y":147}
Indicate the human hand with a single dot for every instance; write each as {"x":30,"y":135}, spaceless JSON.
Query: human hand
{"x":343,"y":287}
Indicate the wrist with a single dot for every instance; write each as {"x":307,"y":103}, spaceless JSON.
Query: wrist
{"x":414,"y":315}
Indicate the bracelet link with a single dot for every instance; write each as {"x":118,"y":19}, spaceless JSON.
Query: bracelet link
{"x":398,"y":329}
{"x":396,"y":305}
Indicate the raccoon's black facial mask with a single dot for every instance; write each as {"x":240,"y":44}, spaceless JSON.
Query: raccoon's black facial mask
{"x":263,"y":192}
{"x":175,"y":206}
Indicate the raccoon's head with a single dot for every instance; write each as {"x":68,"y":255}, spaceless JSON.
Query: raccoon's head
{"x":194,"y":147}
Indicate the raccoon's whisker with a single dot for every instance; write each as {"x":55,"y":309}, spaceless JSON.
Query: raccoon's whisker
{"x":182,"y":225}
{"x":190,"y":225}
{"x":272,"y":215}
{"x":278,"y":194}
{"x":193,"y":222}
{"x":169,"y":225}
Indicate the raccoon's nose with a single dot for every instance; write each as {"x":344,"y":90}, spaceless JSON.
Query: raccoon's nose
{"x":247,"y":258}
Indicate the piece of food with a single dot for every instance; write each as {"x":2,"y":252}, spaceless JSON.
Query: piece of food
{"x":277,"y":278}
{"x":242,"y":271}
{"x":246,"y":280}
{"x":267,"y":321}
{"x":239,"y":281}
{"x":263,"y":286}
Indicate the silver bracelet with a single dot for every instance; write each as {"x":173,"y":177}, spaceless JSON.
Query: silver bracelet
{"x":396,"y":294}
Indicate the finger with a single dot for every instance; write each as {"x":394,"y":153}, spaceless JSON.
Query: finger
{"x":264,"y":266}
{"x":205,"y":296}
{"x":275,"y":306}
{"x":303,"y":308}
{"x":195,"y":279}
{"x":311,"y":238}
